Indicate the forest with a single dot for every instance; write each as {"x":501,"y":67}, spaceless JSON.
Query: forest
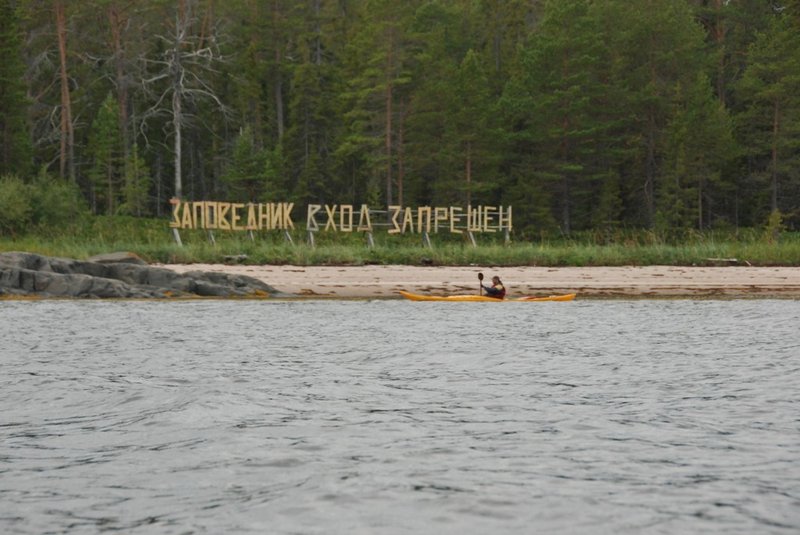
{"x":670,"y":115}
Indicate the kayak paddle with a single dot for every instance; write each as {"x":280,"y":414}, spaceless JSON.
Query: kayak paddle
{"x":480,"y":283}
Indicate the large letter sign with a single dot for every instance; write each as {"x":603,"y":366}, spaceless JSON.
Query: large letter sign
{"x":210,"y":215}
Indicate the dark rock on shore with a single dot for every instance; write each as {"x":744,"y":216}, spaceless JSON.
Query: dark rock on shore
{"x":115,"y":258}
{"x":119,"y":275}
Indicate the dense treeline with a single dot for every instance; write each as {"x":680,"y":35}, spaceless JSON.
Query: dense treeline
{"x":582,"y":114}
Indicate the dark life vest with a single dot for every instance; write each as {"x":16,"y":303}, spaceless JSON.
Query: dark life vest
{"x":497,"y":291}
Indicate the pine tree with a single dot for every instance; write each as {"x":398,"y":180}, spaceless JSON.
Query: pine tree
{"x":468,"y":129}
{"x":377,"y":68}
{"x":730,"y":28}
{"x":655,"y":47}
{"x":699,"y":143}
{"x":15,"y":145}
{"x":770,"y":122}
{"x":549,"y":104}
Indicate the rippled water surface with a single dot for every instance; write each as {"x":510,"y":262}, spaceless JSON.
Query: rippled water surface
{"x":399,"y":417}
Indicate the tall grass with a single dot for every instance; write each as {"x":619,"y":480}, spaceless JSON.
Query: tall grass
{"x":152,"y":240}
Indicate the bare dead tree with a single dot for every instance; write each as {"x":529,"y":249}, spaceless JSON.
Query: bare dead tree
{"x":185,"y":65}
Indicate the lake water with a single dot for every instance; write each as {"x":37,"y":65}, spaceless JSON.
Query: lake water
{"x":393,"y":417}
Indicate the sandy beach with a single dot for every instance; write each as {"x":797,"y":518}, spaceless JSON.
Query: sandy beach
{"x":646,"y":282}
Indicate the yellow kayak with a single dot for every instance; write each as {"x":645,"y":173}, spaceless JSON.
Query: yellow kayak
{"x":483,"y":298}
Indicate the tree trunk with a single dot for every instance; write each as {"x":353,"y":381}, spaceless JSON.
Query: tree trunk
{"x":67,"y":150}
{"x":177,"y":88}
{"x":254,"y":103}
{"x":776,"y":123}
{"x":650,"y":170}
{"x":401,"y":171}
{"x":110,"y":178}
{"x":566,"y":190}
{"x":566,"y":216}
{"x":117,"y":22}
{"x":700,"y":206}
{"x":207,"y":24}
{"x":279,"y":96}
{"x":201,"y":167}
{"x":468,"y":171}
{"x":719,"y":37}
{"x":496,"y":35}
{"x":389,"y":197}
{"x":566,"y":123}
{"x":651,"y":149}
{"x":159,"y":161}
{"x":278,"y":88}
{"x":388,"y":132}
{"x":318,"y":32}
{"x":176,"y":123}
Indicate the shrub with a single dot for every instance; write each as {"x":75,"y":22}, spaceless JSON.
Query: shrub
{"x":774,"y":226}
{"x":16,"y":205}
{"x":56,"y":203}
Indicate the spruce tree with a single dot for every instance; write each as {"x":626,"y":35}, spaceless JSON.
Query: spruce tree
{"x":245,"y":175}
{"x":107,"y":169}
{"x":549,"y":107}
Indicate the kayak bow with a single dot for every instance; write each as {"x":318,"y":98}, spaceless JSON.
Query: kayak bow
{"x":482,"y":298}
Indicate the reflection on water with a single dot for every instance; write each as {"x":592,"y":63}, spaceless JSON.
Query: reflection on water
{"x":398,"y":417}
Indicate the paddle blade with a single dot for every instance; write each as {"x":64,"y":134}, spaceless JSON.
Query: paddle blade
{"x":480,"y":276}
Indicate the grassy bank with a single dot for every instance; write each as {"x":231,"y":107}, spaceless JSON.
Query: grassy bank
{"x":152,"y":240}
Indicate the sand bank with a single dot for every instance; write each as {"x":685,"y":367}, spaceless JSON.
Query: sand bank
{"x":648,"y":281}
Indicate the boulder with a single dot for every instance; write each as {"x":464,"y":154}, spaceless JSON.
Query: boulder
{"x":120,"y":257}
{"x":116,"y":276}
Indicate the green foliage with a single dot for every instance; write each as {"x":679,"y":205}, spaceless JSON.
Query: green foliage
{"x":468,"y":125}
{"x":769,"y":122}
{"x":57,"y":204}
{"x":150,"y":239}
{"x":15,"y":205}
{"x":135,"y":186}
{"x":47,"y":205}
{"x":246,"y":176}
{"x":274,"y":174}
{"x":557,"y":101}
{"x":105,"y":147}
{"x":608,"y":210}
{"x":15,"y":144}
{"x":582,"y":115}
{"x":774,"y":226}
{"x":698,"y":145}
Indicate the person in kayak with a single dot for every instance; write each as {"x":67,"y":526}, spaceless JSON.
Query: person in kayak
{"x":496,"y":290}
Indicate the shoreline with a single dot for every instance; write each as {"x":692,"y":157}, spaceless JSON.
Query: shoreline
{"x":379,"y":281}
